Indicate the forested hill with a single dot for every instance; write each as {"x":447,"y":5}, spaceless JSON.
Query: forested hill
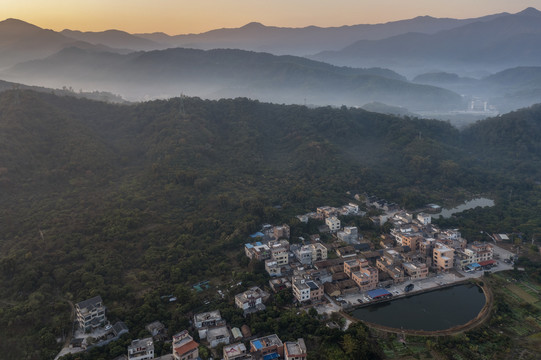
{"x":130,"y":201}
{"x":509,"y":142}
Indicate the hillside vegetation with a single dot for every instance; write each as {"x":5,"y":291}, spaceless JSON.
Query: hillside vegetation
{"x":134,"y":201}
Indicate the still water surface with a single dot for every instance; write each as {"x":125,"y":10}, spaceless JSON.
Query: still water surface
{"x":472,"y":204}
{"x":435,"y":310}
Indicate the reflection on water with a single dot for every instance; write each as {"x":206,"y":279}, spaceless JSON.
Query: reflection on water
{"x":472,"y":204}
{"x":435,"y":310}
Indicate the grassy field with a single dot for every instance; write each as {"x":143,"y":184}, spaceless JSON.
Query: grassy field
{"x":512,"y":332}
{"x":523,"y":294}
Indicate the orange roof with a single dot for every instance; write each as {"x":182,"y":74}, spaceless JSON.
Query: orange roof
{"x":186,"y":348}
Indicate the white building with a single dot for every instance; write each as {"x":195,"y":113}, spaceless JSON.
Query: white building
{"x":236,"y":351}
{"x":319,"y":252}
{"x":295,"y":350}
{"x":272,"y":268}
{"x":218,"y":335}
{"x":90,"y":313}
{"x":206,"y":320}
{"x":301,"y":290}
{"x":349,"y":235}
{"x":251,"y":300}
{"x":424,"y":219}
{"x":141,"y":349}
{"x":304,"y":254}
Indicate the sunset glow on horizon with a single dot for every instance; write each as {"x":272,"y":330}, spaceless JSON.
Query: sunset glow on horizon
{"x":181,"y":17}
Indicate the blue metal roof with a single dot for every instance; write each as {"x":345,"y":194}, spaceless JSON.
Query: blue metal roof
{"x":258,"y":243}
{"x":258,"y":345}
{"x":378,"y":292}
{"x":257,"y":234}
{"x":249,"y":246}
{"x":271,"y":356}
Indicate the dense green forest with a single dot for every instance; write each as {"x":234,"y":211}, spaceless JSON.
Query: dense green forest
{"x":135,"y":201}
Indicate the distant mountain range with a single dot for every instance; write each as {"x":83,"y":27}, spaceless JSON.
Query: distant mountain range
{"x":509,"y":89}
{"x":307,"y":40}
{"x":20,"y":41}
{"x":142,"y":66}
{"x":487,"y":45}
{"x":216,"y":74}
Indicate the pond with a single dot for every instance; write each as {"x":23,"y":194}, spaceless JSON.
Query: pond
{"x":472,"y":204}
{"x":436,"y":310}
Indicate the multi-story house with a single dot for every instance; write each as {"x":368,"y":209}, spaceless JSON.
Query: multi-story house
{"x":352,"y":266}
{"x":141,"y":349}
{"x":443,"y":257}
{"x":301,"y":290}
{"x":304,"y":254}
{"x":415,"y":270}
{"x":464,"y":258}
{"x":184,"y":346}
{"x":267,"y":347}
{"x":319,"y":252}
{"x":251,"y":300}
{"x":483,"y":251}
{"x":257,"y":251}
{"x":281,"y":232}
{"x":349,"y":235}
{"x":272,"y":268}
{"x":207,"y":320}
{"x":236,"y":352}
{"x":295,"y":350}
{"x":316,"y":290}
{"x":90,"y":313}
{"x":280,"y":254}
{"x":218,"y":335}
{"x":366,"y":278}
{"x":333,"y":223}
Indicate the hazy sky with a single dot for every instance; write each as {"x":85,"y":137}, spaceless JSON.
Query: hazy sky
{"x":194,"y":16}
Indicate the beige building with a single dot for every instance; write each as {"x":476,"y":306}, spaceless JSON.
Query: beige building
{"x":443,"y":257}
{"x":280,"y":254}
{"x":333,"y":223}
{"x":251,"y":300}
{"x":319,"y":252}
{"x":366,"y":278}
{"x":301,"y":290}
{"x":415,"y":270}
{"x":295,"y":350}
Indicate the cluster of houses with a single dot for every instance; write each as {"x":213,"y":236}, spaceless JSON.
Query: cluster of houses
{"x":414,"y":248}
{"x":211,"y":329}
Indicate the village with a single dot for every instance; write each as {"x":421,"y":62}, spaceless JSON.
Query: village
{"x":329,"y":276}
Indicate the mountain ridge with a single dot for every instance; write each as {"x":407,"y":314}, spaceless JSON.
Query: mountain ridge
{"x":228,"y":73}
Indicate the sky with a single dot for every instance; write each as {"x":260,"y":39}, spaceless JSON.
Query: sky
{"x":194,"y":16}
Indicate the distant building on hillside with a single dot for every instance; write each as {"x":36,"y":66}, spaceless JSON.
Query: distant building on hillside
{"x":141,"y":349}
{"x":295,"y":350}
{"x":184,"y":346}
{"x":90,"y":313}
